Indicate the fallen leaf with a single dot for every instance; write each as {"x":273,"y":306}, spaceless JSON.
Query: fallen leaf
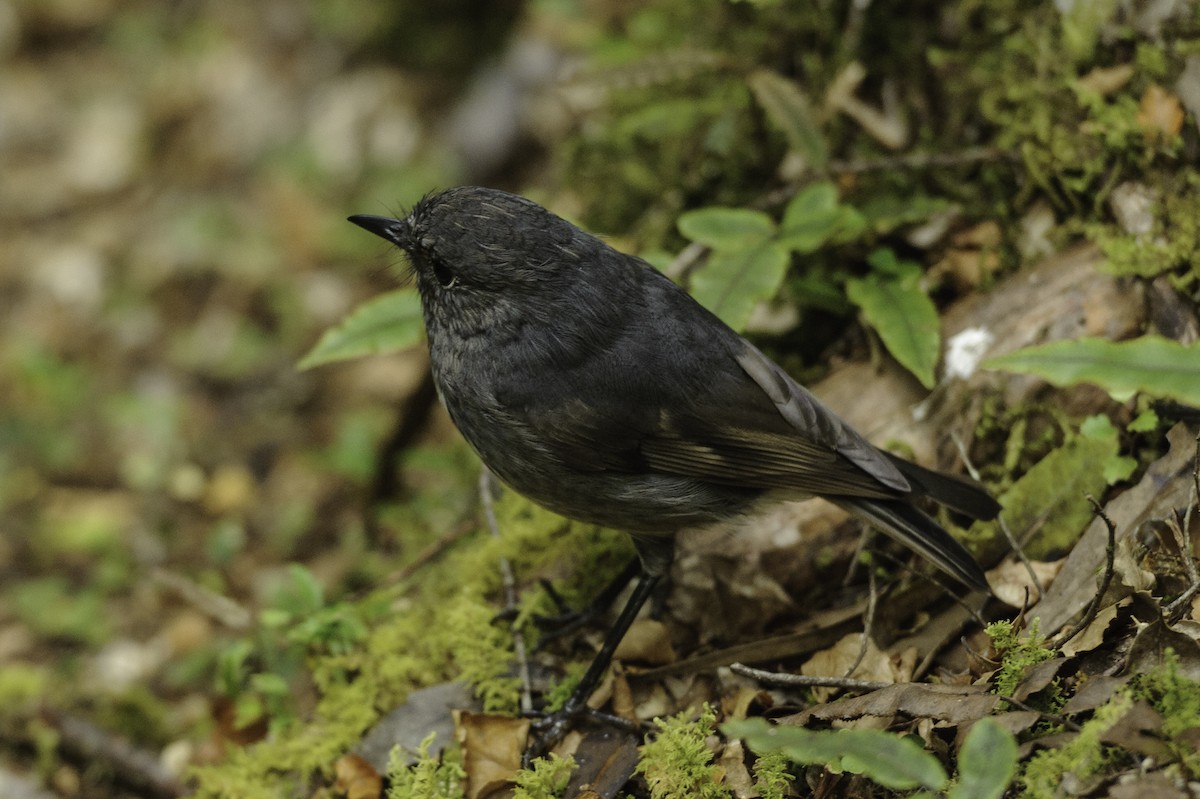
{"x":491,"y":750}
{"x":1093,"y":636}
{"x":1106,"y":80}
{"x":837,"y":661}
{"x":647,"y":641}
{"x":1163,"y":488}
{"x":356,"y":778}
{"x":1012,"y":585}
{"x":950,"y":704}
{"x":1160,"y":114}
{"x":737,"y":776}
{"x":1037,"y":677}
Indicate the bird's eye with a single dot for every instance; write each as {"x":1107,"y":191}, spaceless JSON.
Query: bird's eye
{"x":444,"y":276}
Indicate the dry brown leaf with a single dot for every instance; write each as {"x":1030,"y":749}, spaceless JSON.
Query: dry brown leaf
{"x":1106,"y":80}
{"x":1139,"y":730}
{"x":605,"y":758}
{"x":950,"y":704}
{"x":491,"y":750}
{"x":1093,"y":636}
{"x":737,"y":776}
{"x":1164,"y":487}
{"x":1142,"y":786}
{"x":1037,"y":677}
{"x":1150,"y":645}
{"x":622,"y":694}
{"x":1015,"y":721}
{"x":356,"y":778}
{"x":836,"y":661}
{"x":1093,"y":692}
{"x":648,"y":641}
{"x":1160,"y":114}
{"x":1012,"y":585}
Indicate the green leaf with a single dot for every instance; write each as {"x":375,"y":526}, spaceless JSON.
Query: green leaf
{"x":387,"y":323}
{"x":905,"y":319}
{"x":1151,"y":364}
{"x":883,"y":757}
{"x":986,"y":762}
{"x":811,"y":218}
{"x":727,"y":229}
{"x":1050,"y":498}
{"x":789,"y":110}
{"x":732,"y":282}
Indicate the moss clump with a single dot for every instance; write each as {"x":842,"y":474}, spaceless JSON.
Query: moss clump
{"x":1177,"y":698}
{"x":546,"y":779}
{"x":431,"y":777}
{"x":1043,"y":774}
{"x":773,"y":775}
{"x":677,"y":764}
{"x":1017,"y":653}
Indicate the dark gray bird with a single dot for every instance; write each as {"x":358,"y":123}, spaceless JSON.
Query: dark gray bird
{"x":592,"y":384}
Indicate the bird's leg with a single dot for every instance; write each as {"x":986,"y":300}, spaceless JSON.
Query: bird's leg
{"x":655,"y":556}
{"x":569,"y":619}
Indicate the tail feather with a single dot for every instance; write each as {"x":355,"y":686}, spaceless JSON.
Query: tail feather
{"x":957,"y":493}
{"x":920,"y":533}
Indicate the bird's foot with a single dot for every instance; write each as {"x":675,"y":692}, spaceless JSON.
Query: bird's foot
{"x":550,"y":728}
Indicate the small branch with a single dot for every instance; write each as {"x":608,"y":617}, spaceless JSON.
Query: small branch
{"x":802,"y":681}
{"x":1019,"y":551}
{"x":868,"y":622}
{"x":430,"y":553}
{"x":130,"y":764}
{"x":1110,"y":553}
{"x":217,"y":606}
{"x":520,"y":652}
{"x":1052,"y":717}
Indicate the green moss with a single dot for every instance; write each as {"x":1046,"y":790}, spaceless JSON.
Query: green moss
{"x":1171,"y":246}
{"x":772,"y":775}
{"x":546,"y":779}
{"x":1017,"y":653}
{"x":22,"y":685}
{"x":431,"y":777}
{"x":1084,"y":756}
{"x":1177,"y":698}
{"x":677,"y":763}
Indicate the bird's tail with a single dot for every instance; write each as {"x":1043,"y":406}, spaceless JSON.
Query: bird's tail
{"x":960,"y":494}
{"x":920,"y":533}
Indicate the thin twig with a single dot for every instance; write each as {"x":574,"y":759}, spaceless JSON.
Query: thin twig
{"x":486,"y":484}
{"x":802,"y":681}
{"x":132,"y":765}
{"x":1052,"y":717}
{"x":218,"y":606}
{"x":1110,"y":554}
{"x":901,"y":161}
{"x":868,"y":622}
{"x":1184,"y":537}
{"x":430,"y":553}
{"x":864,"y":538}
{"x":1019,"y":551}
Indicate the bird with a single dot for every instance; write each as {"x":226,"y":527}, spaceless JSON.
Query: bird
{"x":589,"y":382}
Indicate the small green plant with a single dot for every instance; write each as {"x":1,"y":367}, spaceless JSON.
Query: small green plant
{"x":546,"y":779}
{"x":1177,"y":698}
{"x":677,"y":763}
{"x":431,"y":777}
{"x":751,"y":253}
{"x":986,"y":762}
{"x":1151,"y":364}
{"x":1017,"y":653}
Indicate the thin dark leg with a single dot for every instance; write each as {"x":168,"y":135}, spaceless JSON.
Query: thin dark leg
{"x":570,"y":620}
{"x":548,"y":730}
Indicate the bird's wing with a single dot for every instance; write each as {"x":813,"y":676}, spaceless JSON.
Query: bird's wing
{"x":740,"y":421}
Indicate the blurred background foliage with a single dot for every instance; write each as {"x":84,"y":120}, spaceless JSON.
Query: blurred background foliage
{"x":175,"y":178}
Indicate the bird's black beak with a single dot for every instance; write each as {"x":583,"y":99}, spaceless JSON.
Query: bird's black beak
{"x":382,"y":226}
